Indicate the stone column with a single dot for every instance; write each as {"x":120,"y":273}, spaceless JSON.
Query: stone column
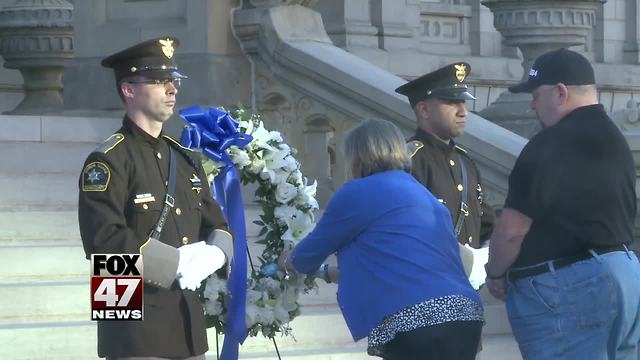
{"x":390,"y":17}
{"x":632,"y":32}
{"x":317,"y":137}
{"x":348,"y":22}
{"x":36,"y":38}
{"x":535,"y":27}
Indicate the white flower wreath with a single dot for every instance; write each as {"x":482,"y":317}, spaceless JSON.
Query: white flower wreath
{"x":287,"y":202}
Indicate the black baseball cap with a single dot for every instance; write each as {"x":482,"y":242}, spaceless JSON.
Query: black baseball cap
{"x":153,"y":59}
{"x":445,"y":83}
{"x":557,"y":66}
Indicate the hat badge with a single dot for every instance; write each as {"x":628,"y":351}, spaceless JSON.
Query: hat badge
{"x":461,"y":71}
{"x":167,"y":47}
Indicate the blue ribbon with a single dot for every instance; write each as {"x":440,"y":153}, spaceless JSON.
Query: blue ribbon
{"x":213,"y":131}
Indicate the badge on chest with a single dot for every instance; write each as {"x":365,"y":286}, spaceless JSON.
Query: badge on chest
{"x":196,"y":183}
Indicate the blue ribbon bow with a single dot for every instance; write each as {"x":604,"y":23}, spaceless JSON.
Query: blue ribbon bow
{"x":213,"y":131}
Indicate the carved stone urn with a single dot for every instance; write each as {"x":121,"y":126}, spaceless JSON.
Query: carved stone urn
{"x":36,"y":38}
{"x":535,"y":27}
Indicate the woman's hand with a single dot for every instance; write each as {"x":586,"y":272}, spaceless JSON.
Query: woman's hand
{"x":284,"y":264}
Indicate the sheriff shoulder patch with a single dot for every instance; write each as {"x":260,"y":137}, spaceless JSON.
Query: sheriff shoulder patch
{"x":95,"y":177}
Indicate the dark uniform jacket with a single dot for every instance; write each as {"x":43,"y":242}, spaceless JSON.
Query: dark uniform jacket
{"x":122,"y":191}
{"x":437,"y":166}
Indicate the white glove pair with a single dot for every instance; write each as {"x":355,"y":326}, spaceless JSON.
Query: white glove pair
{"x":197,"y":262}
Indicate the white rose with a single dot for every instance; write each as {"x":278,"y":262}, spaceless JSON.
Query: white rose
{"x":251,"y":314}
{"x":214,"y":286}
{"x":285,"y":213}
{"x":298,"y":227}
{"x":256,"y":166}
{"x":276,"y":136}
{"x":290,"y":163}
{"x":213,"y":307}
{"x":285,"y":192}
{"x":281,"y":314}
{"x":240,"y":157}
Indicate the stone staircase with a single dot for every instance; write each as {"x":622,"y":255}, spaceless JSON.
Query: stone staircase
{"x":44,"y":288}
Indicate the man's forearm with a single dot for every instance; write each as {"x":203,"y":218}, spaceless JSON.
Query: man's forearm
{"x":506,"y":241}
{"x":503,"y":252}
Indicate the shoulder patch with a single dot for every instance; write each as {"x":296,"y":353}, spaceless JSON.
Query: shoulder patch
{"x":413,"y":146}
{"x":176,"y":142}
{"x":110,"y":143}
{"x":96,"y":176}
{"x":461,"y":149}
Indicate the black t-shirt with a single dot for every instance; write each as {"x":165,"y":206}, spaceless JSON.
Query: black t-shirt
{"x":576,"y":181}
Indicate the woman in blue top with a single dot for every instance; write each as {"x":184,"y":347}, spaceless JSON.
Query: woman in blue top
{"x":402,"y":283}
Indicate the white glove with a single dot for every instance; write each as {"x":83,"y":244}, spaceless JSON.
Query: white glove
{"x":203,"y":260}
{"x":187,"y":252}
{"x":480,"y":257}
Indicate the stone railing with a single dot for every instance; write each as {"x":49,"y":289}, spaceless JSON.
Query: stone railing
{"x":319,"y":91}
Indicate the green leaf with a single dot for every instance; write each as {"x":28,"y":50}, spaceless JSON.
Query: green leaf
{"x":258,"y":222}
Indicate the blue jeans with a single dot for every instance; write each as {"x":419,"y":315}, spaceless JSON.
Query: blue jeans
{"x":587,"y":310}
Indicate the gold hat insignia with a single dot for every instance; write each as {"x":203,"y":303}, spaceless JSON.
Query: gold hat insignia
{"x":461,"y":71}
{"x":167,"y":47}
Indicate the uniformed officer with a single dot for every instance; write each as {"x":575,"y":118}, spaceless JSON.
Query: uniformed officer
{"x":141,"y":192}
{"x":438,"y":100}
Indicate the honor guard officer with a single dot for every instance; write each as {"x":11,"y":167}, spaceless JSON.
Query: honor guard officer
{"x":438,"y":100}
{"x":141,"y":192}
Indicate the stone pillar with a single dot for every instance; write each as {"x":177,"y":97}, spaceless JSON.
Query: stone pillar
{"x":348,"y":22}
{"x":317,"y":136}
{"x":535,"y":27}
{"x":390,"y":17}
{"x":36,"y":38}
{"x":632,"y":32}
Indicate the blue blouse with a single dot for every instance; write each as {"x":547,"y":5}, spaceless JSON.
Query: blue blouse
{"x":395,"y":245}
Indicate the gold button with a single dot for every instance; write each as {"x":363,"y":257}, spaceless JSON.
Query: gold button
{"x":178,"y":211}
{"x":145,"y":206}
{"x":460,"y":187}
{"x":159,"y":155}
{"x":185,"y":240}
{"x":452,"y":163}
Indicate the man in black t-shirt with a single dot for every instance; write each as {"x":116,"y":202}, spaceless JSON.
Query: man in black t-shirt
{"x":559,"y":255}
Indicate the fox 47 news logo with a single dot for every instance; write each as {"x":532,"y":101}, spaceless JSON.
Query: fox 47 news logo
{"x":116,"y":287}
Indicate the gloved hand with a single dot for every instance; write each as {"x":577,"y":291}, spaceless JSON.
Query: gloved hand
{"x":201,"y":260}
{"x":187,"y":252}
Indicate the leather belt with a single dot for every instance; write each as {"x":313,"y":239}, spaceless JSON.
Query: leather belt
{"x":560,"y":263}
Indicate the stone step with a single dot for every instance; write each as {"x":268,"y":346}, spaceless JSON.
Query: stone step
{"x":63,"y":261}
{"x":37,"y":226}
{"x":66,"y":298}
{"x":315,"y":330}
{"x":27,"y":302}
{"x":68,"y":129}
{"x":43,"y":157}
{"x":26,"y":191}
{"x":43,"y":223}
{"x":77,"y":341}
